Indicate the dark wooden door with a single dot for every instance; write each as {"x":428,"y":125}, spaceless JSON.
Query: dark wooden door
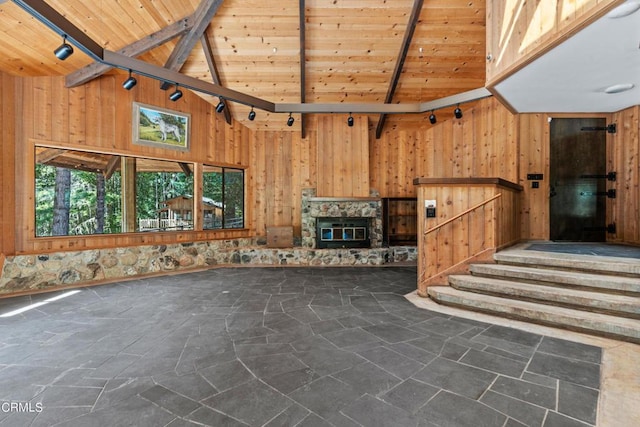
{"x":576,"y":201}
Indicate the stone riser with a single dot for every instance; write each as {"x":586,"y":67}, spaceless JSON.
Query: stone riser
{"x":617,"y":305}
{"x":601,"y":283}
{"x":566,"y":318}
{"x":583,"y":263}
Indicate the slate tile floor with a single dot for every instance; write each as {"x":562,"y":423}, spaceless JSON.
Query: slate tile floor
{"x":281,"y":347}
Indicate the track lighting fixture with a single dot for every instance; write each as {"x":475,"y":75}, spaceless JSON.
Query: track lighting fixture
{"x":350,"y":120}
{"x":130,"y":82}
{"x":432,"y":118}
{"x":290,"y":120}
{"x":220,"y":106}
{"x":177,"y":94}
{"x":252,"y":114}
{"x":457,"y":112}
{"x":65,"y":50}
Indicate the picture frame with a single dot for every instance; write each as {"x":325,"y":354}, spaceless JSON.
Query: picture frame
{"x":160,"y":127}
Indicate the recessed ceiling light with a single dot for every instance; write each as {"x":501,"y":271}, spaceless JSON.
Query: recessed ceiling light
{"x":625,"y":9}
{"x":623,"y":87}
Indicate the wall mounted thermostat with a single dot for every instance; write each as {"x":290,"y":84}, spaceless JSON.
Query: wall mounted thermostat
{"x":430,"y":208}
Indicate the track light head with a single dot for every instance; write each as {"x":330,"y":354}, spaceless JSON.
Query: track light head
{"x":177,"y":94}
{"x":252,"y":114}
{"x":457,"y":112}
{"x":65,"y":50}
{"x":220,"y":106}
{"x":432,"y":118}
{"x":290,"y":120}
{"x":350,"y":120}
{"x":130,"y":82}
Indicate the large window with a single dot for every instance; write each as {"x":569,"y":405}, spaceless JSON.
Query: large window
{"x":79,"y":193}
{"x":223,"y":198}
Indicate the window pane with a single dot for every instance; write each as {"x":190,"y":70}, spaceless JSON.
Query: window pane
{"x":76,"y":193}
{"x":164,"y":195}
{"x":223,"y":201}
{"x":233,"y":198}
{"x":212,"y":200}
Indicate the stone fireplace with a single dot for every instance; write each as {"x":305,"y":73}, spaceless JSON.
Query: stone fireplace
{"x":340,"y":208}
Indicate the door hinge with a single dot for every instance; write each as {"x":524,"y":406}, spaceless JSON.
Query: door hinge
{"x":611,"y":194}
{"x":612,"y":128}
{"x":611,"y":176}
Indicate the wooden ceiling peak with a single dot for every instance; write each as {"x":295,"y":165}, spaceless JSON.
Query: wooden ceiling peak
{"x":302,"y":56}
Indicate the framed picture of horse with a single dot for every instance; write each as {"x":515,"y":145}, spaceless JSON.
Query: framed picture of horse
{"x":160,"y":127}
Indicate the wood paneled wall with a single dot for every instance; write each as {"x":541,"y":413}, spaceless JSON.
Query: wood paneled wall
{"x":474,"y":218}
{"x":97,"y":117}
{"x":624,"y":158}
{"x":337,"y":160}
{"x":519,"y":30}
{"x":7,"y":165}
{"x":483,"y":143}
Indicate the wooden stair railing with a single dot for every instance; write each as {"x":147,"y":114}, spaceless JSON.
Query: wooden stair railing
{"x":440,"y":277}
{"x":461,"y":214}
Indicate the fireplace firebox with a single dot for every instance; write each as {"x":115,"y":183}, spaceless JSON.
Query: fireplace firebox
{"x":342,"y":232}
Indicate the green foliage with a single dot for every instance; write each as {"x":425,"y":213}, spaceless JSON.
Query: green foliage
{"x":152,"y":190}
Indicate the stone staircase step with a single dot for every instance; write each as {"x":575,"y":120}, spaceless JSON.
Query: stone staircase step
{"x":617,"y":305}
{"x":594,"y":323}
{"x":551,"y":277}
{"x":586,"y":263}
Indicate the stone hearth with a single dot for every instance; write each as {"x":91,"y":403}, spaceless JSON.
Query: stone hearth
{"x":339,"y":207}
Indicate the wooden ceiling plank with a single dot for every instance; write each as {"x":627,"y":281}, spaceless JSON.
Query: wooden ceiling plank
{"x":213,"y":69}
{"x":112,"y":165}
{"x":96,"y":69}
{"x":406,"y":42}
{"x":202,"y":18}
{"x":303,"y":61}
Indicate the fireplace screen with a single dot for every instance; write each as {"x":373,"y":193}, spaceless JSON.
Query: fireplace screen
{"x":342,"y":233}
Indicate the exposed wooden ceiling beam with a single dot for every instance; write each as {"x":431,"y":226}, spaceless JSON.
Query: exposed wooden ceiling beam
{"x":185,"y":168}
{"x":202,"y":18}
{"x":303,"y":82}
{"x":406,"y":42}
{"x":112,"y":165}
{"x":49,"y":154}
{"x":136,"y":48}
{"x":213,"y":69}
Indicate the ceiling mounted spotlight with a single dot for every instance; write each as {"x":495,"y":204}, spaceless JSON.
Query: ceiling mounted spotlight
{"x":220,"y":106}
{"x":432,"y":118}
{"x":176,"y":95}
{"x":65,"y":50}
{"x":252,"y":114}
{"x":130,"y":82}
{"x":457,"y":112}
{"x":290,"y":120}
{"x":350,"y":120}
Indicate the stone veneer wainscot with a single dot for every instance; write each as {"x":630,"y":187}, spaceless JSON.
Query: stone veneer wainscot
{"x":33,"y":273}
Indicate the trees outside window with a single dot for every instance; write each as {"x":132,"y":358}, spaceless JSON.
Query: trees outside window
{"x":223,"y":197}
{"x":80,"y":193}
